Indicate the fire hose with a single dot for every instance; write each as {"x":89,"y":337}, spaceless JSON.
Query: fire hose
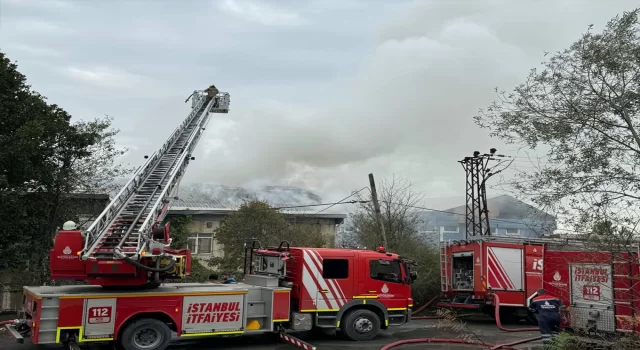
{"x":507,"y":346}
{"x":496,"y":302}
{"x":2,"y":323}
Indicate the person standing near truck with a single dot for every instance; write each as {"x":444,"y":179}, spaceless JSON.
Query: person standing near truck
{"x":547,"y":309}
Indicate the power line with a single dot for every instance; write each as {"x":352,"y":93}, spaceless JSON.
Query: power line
{"x":318,"y":205}
{"x":342,"y":200}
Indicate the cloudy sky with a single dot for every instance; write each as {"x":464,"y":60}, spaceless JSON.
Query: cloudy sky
{"x":323,"y":92}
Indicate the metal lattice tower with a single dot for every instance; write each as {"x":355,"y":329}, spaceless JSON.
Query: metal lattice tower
{"x":478,"y":172}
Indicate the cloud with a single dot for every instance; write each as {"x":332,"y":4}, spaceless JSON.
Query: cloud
{"x":59,"y":4}
{"x":389,"y":87}
{"x":33,"y":50}
{"x":260,"y":13}
{"x":104,"y":77}
{"x":406,"y":110}
{"x":37,"y":26}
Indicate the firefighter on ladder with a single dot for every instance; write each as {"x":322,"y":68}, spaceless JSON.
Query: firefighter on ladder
{"x":547,"y":309}
{"x":212,"y":91}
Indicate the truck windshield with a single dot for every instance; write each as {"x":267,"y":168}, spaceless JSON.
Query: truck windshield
{"x":385,"y":270}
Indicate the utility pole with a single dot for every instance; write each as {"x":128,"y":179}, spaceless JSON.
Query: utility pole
{"x":478,"y":172}
{"x":376,"y":206}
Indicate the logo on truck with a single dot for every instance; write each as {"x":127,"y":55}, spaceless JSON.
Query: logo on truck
{"x":591,"y":284}
{"x":557,"y":280}
{"x":67,"y":254}
{"x":221,"y":312}
{"x":384,"y":291}
{"x":591,"y":274}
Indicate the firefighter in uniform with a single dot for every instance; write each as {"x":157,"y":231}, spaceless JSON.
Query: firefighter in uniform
{"x":212,"y":91}
{"x":547,"y":309}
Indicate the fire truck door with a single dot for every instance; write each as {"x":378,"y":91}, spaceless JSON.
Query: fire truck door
{"x":324,"y":285}
{"x":505,"y":268}
{"x":99,"y":318}
{"x":384,"y":279}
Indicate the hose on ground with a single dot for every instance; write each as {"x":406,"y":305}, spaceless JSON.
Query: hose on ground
{"x":2,"y":323}
{"x":425,"y":306}
{"x":422,"y":308}
{"x":456,"y":341}
{"x":507,"y":346}
{"x":496,"y":304}
{"x":419,"y":310}
{"x":518,"y":342}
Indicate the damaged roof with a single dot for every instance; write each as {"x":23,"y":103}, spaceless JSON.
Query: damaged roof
{"x":208,"y":197}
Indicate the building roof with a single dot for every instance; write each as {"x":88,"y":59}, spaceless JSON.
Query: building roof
{"x":508,"y":207}
{"x":211,"y":198}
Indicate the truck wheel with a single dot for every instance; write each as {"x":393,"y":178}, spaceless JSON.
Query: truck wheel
{"x":146,"y":334}
{"x":361,"y":325}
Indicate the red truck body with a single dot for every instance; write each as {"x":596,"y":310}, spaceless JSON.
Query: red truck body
{"x":292,"y":289}
{"x":597,"y":286}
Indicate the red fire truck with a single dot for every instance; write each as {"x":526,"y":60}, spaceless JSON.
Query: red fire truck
{"x":125,"y":258}
{"x":287,"y":289}
{"x":599,"y":287}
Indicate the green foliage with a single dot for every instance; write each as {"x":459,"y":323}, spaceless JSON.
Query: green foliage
{"x":401,"y":223}
{"x":583,"y":106}
{"x":43,"y":158}
{"x":257,"y":220}
{"x":179,"y":225}
{"x":427,"y":285}
{"x":199,"y":273}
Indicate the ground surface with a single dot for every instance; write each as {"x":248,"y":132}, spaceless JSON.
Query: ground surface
{"x":483,"y":328}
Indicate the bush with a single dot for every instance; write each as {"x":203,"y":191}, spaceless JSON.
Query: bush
{"x":427,"y":285}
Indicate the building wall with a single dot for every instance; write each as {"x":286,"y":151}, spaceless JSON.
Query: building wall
{"x":202,"y":227}
{"x":201,"y":242}
{"x":435,"y":227}
{"x":445,"y":227}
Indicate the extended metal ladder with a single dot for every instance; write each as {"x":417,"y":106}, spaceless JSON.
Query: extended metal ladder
{"x":125,"y":226}
{"x":444,"y":266}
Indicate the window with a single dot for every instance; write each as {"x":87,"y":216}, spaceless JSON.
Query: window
{"x":335,"y":268}
{"x":209,"y":224}
{"x":385,"y":270}
{"x":513,"y":232}
{"x":200,"y":243}
{"x":453,"y":229}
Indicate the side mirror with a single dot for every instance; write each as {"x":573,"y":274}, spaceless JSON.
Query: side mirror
{"x":413,"y":275}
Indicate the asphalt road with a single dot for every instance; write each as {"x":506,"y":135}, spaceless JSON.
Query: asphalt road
{"x":481,"y":328}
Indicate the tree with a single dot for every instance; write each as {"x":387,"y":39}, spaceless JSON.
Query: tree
{"x":98,"y":172}
{"x":583,"y":108}
{"x":43,"y":158}
{"x":401,"y":220}
{"x":179,"y":227}
{"x":399,"y":216}
{"x":258,"y":220}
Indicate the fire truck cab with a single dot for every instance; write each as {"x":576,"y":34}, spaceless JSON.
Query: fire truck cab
{"x":286,"y":289}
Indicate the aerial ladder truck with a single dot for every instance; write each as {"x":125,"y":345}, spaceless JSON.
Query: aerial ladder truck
{"x":125,"y":257}
{"x":127,"y":244}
